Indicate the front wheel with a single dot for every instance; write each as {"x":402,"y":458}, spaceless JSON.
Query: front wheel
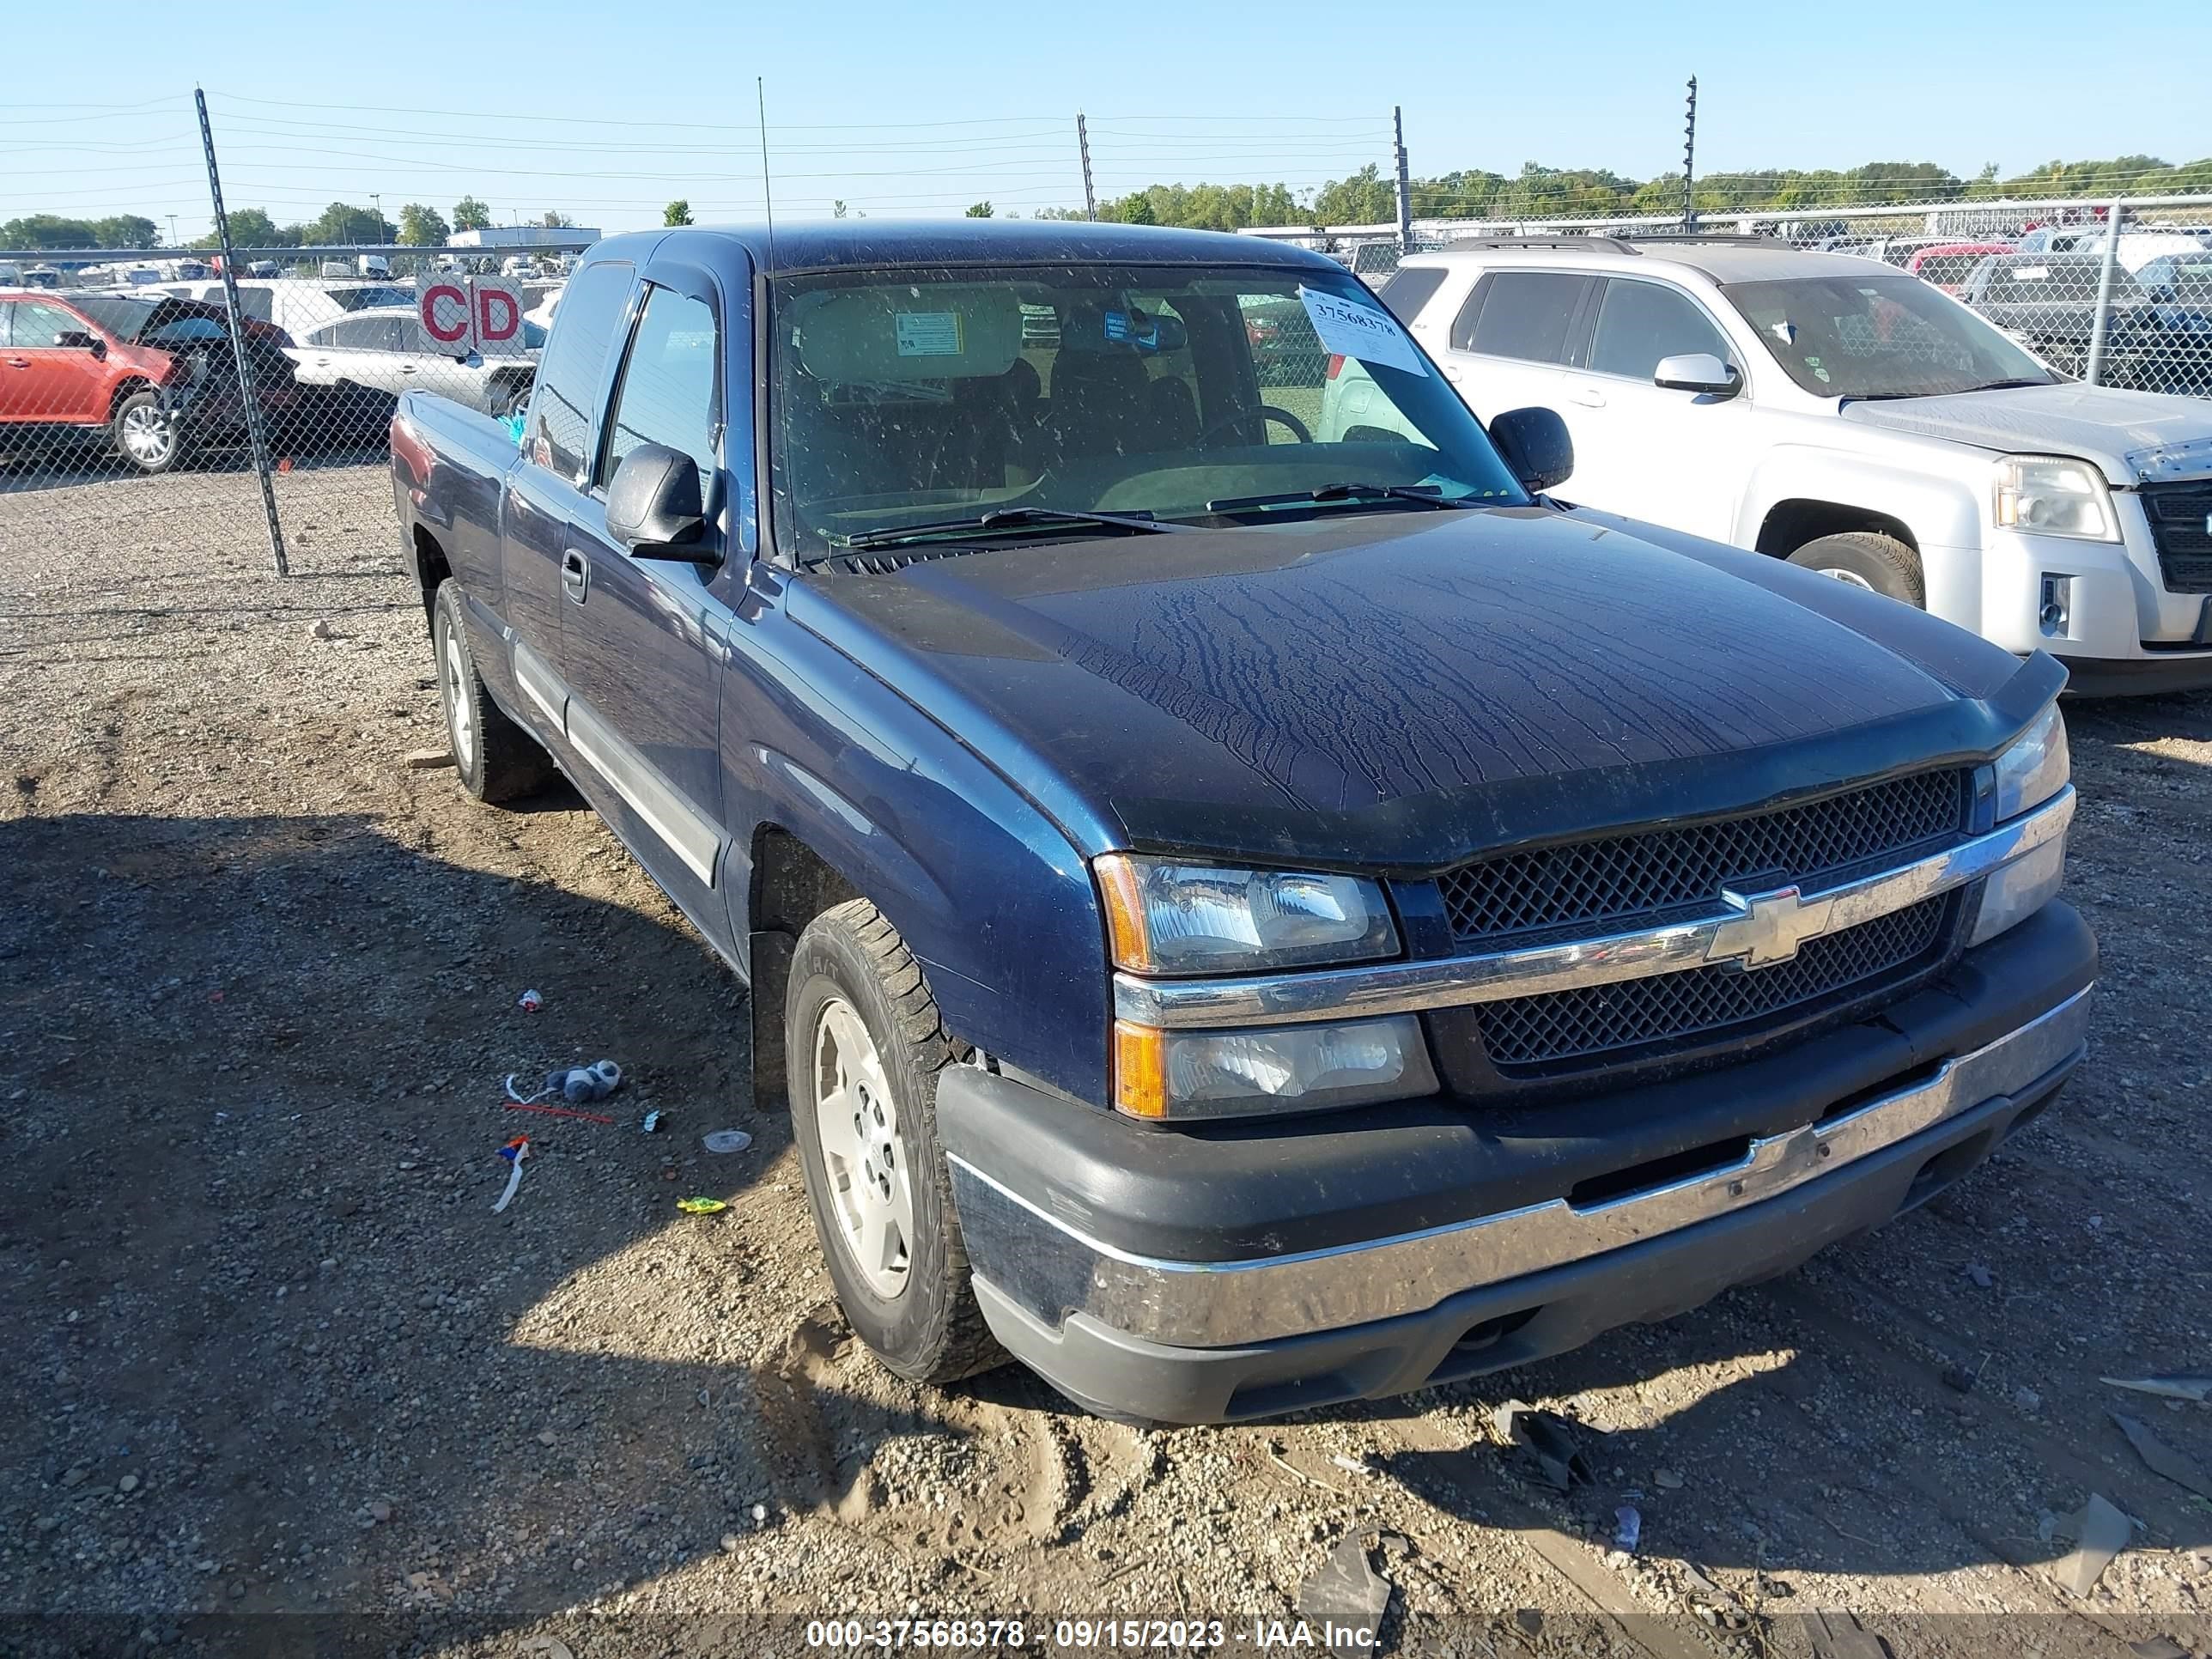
{"x":1865,"y":558}
{"x":145,"y":435}
{"x":866,"y":1047}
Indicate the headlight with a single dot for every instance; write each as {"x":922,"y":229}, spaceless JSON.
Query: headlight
{"x":2035,"y":768}
{"x":2047,"y":495}
{"x":1274,"y":1068}
{"x":1166,"y":918}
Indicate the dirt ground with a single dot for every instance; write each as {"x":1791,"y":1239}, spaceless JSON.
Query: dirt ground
{"x":270,"y":1354}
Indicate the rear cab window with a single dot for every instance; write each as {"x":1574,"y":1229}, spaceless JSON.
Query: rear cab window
{"x":572,"y":372}
{"x":1528,"y":315}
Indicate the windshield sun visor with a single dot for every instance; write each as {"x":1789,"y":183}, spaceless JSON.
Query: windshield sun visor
{"x":878,"y":334}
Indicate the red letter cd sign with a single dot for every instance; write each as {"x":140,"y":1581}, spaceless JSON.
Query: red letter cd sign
{"x":465,"y":315}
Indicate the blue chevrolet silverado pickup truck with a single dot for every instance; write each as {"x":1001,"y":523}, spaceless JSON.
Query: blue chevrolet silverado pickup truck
{"x":1242,"y":922}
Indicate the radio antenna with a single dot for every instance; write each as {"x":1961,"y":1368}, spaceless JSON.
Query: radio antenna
{"x":767,"y":199}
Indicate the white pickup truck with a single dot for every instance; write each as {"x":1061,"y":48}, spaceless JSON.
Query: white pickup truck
{"x":1840,"y":413}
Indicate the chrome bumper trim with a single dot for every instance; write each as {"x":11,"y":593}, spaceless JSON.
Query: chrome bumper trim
{"x":1753,"y":931}
{"x":1053,"y":1270}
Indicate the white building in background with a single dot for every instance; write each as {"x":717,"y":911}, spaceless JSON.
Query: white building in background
{"x":522,"y":236}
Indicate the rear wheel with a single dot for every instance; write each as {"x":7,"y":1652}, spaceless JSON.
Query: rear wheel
{"x":866,"y":1048}
{"x":144,"y":434}
{"x":1865,"y":558}
{"x":497,"y":760}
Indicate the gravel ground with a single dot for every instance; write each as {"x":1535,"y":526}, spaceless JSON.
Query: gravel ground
{"x":271,"y":1353}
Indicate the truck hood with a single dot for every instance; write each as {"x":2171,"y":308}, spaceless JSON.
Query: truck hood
{"x":2136,"y":437}
{"x":1398,"y":690}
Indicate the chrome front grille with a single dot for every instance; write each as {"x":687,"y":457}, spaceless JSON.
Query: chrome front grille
{"x":2181,"y":528}
{"x":1591,"y":887}
{"x":1564,"y":1030}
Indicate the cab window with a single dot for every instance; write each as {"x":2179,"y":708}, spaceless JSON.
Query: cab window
{"x":571,"y":375}
{"x":1639,"y":323}
{"x":1524,"y":314}
{"x":667,"y":392}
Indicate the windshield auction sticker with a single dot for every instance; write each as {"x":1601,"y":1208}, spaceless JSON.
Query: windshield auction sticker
{"x":1352,"y":329}
{"x":928,"y":333}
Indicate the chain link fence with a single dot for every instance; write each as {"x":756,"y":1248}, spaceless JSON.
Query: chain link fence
{"x":2132,"y":310}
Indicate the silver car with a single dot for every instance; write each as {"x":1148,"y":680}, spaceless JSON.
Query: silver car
{"x":371,"y":356}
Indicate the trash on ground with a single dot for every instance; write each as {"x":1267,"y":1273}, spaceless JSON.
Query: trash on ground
{"x":701,"y":1205}
{"x":652,"y":1124}
{"x":557,"y":1111}
{"x":2104,"y":1534}
{"x":426,"y":760}
{"x":574,"y":1084}
{"x":1345,"y":1593}
{"x":727,"y":1140}
{"x":1547,"y":1437}
{"x":514,"y":1151}
{"x":1627,"y":1527}
{"x":2170,"y":1385}
{"x":530,"y":1002}
{"x":2162,"y":1459}
{"x":1712,"y":1604}
{"x":1353,"y":1465}
{"x":1979,"y":1275}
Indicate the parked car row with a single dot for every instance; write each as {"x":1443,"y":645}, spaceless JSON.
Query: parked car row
{"x":1846,"y":416}
{"x":149,"y":373}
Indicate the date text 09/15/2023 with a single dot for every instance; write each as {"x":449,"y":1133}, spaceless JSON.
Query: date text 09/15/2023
{"x":1089,"y":1635}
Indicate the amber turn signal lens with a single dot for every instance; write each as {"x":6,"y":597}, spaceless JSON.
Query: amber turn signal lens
{"x":1140,"y":1071}
{"x":1125,"y":912}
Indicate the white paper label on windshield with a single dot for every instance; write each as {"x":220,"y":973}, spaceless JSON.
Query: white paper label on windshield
{"x":1348,"y":329}
{"x":2032,"y":274}
{"x":928,"y":333}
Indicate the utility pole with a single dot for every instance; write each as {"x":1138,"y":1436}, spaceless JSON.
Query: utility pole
{"x":1083,"y":148}
{"x":171,"y":218}
{"x":1690,"y":162}
{"x":1404,"y":185}
{"x":254,"y":437}
{"x":377,"y":199}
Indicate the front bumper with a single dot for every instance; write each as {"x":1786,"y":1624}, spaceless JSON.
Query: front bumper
{"x":2123,"y":630}
{"x":1189,"y":1277}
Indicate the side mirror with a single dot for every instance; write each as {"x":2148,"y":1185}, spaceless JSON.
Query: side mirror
{"x":1535,"y":445}
{"x":655,"y":508}
{"x":77,"y":339}
{"x":1697,"y":370}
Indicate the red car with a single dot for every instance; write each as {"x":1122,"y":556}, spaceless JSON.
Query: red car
{"x":1947,"y":265}
{"x":152,"y":373}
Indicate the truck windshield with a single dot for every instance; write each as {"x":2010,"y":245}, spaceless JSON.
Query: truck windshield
{"x":918,"y":397}
{"x":1880,"y":336}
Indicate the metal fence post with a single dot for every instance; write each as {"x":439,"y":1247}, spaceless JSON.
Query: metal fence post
{"x":1405,"y":184}
{"x":1690,"y":161}
{"x":254,"y":435}
{"x":1083,"y":148}
{"x":2099,"y":324}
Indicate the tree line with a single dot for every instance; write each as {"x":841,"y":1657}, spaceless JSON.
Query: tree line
{"x":340,"y":224}
{"x":1367,"y":196}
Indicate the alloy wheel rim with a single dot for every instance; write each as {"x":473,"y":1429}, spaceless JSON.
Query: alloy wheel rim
{"x":1849,"y":578}
{"x":856,"y":1127}
{"x":146,"y":435}
{"x":457,"y":703}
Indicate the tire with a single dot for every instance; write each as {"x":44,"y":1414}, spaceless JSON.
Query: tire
{"x":858,"y":1017}
{"x":497,"y":760}
{"x":513,"y":400}
{"x":1866,"y":558}
{"x":143,"y":435}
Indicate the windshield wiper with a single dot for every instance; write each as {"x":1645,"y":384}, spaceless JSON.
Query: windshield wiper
{"x":2006,"y":386}
{"x":1953,"y":392}
{"x":1420,"y":494}
{"x":1003,"y":519}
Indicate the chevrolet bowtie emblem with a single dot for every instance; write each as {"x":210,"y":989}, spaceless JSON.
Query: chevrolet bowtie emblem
{"x":1766,"y":927}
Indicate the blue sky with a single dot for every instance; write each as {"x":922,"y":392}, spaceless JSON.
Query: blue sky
{"x":912,"y":108}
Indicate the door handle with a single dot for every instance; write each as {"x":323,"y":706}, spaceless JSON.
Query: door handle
{"x":576,"y":575}
{"x":1454,"y":372}
{"x":18,"y":362}
{"x":406,"y":369}
{"x":1587,"y":395}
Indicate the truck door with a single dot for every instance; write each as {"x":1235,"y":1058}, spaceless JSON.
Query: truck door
{"x":644,"y":641}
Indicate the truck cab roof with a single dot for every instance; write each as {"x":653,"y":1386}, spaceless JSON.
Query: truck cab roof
{"x":876,"y":243}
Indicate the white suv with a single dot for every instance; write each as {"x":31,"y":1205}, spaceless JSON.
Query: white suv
{"x":1841,"y":414}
